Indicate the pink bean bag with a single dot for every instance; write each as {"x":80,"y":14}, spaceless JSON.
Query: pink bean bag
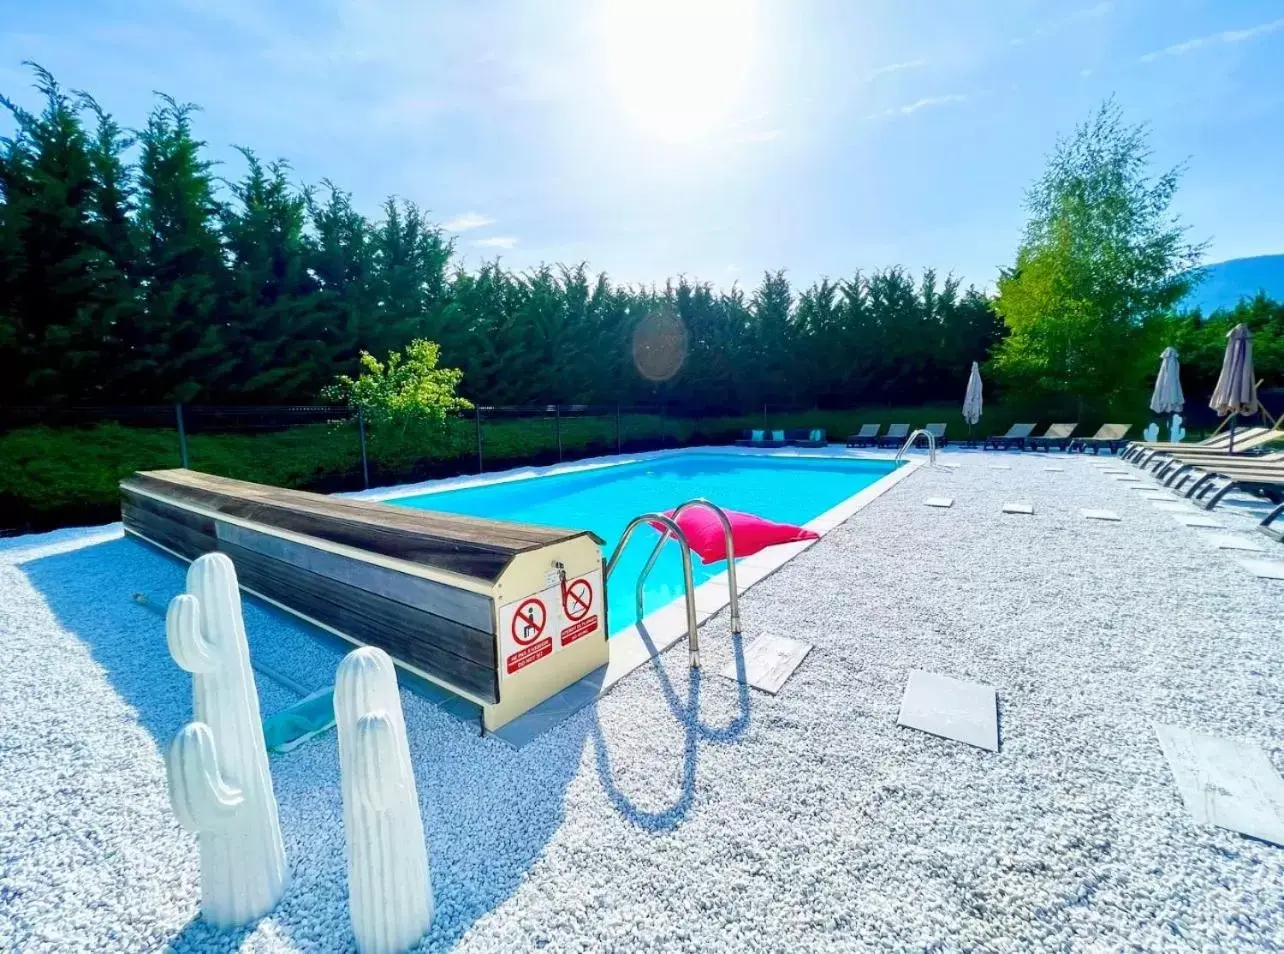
{"x":749,"y":533}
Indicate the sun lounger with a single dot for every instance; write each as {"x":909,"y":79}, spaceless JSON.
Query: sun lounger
{"x":938,"y":433}
{"x":762,"y":438}
{"x":1165,"y":465}
{"x":1108,"y":436}
{"x":1143,"y":453}
{"x":1200,"y":468}
{"x":1015,"y":437}
{"x":1139,"y":450}
{"x":895,"y":436}
{"x":1267,"y":484}
{"x":867,"y":436}
{"x":812,"y":438}
{"x":1164,"y":462}
{"x":1057,"y":435}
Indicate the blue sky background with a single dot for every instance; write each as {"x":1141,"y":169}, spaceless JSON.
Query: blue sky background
{"x":815,"y":135}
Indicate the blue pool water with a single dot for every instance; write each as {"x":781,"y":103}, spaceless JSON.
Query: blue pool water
{"x":790,"y":490}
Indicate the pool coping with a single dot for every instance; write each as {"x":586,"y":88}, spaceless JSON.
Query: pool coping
{"x":663,"y":628}
{"x":659,"y":630}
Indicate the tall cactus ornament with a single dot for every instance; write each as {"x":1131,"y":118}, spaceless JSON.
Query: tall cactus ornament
{"x":219,"y":783}
{"x":389,"y":893}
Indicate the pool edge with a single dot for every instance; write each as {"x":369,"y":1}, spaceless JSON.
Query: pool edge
{"x":661,"y":629}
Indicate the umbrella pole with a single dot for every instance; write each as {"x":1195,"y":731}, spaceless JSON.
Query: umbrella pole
{"x":1230,"y":447}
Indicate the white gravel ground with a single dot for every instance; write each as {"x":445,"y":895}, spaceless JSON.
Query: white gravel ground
{"x":693,"y":815}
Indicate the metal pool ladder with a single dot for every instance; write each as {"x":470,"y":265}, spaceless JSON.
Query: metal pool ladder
{"x":672,"y":529}
{"x":931,"y":445}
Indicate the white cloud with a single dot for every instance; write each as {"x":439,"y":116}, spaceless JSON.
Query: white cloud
{"x":1213,"y":39}
{"x":497,"y":241}
{"x":927,"y":102}
{"x":1084,"y":13}
{"x":466,"y":221}
{"x":897,"y":68}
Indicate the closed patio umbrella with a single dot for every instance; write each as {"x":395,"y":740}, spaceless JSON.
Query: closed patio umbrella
{"x":1167,"y":397}
{"x":972,"y":399}
{"x":1236,"y":391}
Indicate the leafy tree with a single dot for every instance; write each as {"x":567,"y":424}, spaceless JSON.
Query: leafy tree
{"x":408,"y":276}
{"x":182,"y":352}
{"x":130,"y":273}
{"x":406,"y":390}
{"x":54,"y":268}
{"x":1201,"y":342}
{"x":275,"y":330}
{"x":1102,"y":261}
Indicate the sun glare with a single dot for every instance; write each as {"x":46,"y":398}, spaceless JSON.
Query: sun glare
{"x":678,"y":70}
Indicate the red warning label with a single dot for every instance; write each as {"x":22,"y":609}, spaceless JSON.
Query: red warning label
{"x":526,"y":629}
{"x":576,"y":630}
{"x":524,"y":657}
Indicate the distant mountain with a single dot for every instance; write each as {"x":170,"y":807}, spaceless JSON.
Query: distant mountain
{"x":1226,"y":283}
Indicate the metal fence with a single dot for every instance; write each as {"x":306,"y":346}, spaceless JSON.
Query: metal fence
{"x":60,"y":466}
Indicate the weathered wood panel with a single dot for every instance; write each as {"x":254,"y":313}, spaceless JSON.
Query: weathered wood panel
{"x":444,"y":631}
{"x":161,"y":527}
{"x":408,"y":634}
{"x":464,"y":545}
{"x":464,"y":606}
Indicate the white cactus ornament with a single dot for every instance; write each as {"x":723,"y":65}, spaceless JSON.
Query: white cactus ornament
{"x":219,"y":783}
{"x":389,"y":893}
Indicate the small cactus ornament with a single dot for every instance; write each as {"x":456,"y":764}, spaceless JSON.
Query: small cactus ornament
{"x":389,"y":893}
{"x":219,"y":783}
{"x":1176,"y":432}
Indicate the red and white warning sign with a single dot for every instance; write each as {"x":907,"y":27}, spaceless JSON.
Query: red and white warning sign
{"x":525,"y":634}
{"x":579,"y":599}
{"x":535,"y":627}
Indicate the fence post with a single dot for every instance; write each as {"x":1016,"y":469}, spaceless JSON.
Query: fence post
{"x":480,"y":468}
{"x":365,"y":464}
{"x":182,"y":435}
{"x":557,"y":426}
{"x":619,"y":435}
{"x":663,"y":411}
{"x":764,"y":417}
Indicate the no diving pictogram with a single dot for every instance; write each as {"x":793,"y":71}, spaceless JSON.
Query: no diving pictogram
{"x":529,"y":621}
{"x":577,"y":599}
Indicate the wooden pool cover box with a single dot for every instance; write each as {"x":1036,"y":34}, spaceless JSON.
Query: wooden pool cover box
{"x":504,"y":614}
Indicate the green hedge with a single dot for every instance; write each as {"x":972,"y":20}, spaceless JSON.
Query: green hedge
{"x":54,"y":477}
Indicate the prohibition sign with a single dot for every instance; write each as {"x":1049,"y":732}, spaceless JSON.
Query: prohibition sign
{"x":529,"y":621}
{"x":577,"y":599}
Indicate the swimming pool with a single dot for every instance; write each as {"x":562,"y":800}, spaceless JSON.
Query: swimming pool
{"x":605,"y":499}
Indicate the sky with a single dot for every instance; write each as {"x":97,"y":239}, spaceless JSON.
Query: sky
{"x":706,"y":138}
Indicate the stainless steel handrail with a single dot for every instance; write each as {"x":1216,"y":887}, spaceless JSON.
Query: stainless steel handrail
{"x":693,"y":636}
{"x":729,"y":543}
{"x":931,"y":445}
